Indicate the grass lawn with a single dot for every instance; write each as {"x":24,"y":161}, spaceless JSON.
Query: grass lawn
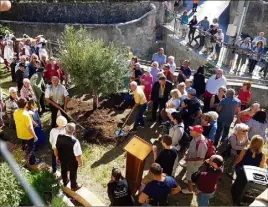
{"x":99,"y":161}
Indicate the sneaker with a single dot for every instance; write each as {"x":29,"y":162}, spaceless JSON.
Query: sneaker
{"x":186,"y":191}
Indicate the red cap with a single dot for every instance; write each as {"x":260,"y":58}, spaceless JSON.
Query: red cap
{"x":197,"y":128}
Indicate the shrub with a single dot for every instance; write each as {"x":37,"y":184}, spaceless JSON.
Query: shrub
{"x":11,"y":193}
{"x":45,"y":184}
{"x":3,"y":29}
{"x":58,"y":202}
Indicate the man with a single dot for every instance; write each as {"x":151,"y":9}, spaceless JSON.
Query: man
{"x":23,"y":60}
{"x":25,"y":130}
{"x":195,"y":4}
{"x":68,"y":152}
{"x":140,"y":104}
{"x":160,"y":57}
{"x":243,"y":48}
{"x":57,"y":97}
{"x":159,"y":96}
{"x":206,"y":179}
{"x":167,"y":156}
{"x":203,"y":26}
{"x":156,"y":192}
{"x":195,"y":155}
{"x":185,"y":71}
{"x":191,"y":108}
{"x":228,"y":108}
{"x":219,"y":38}
{"x":38,"y":85}
{"x":212,"y":87}
{"x":259,"y":38}
{"x":20,"y":76}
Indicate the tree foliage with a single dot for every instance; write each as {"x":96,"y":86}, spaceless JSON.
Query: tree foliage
{"x":92,"y":65}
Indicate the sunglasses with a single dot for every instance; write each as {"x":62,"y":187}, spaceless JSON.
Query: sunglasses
{"x":35,"y":58}
{"x":244,"y":131}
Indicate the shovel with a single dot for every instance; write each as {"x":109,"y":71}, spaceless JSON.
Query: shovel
{"x":119,"y":131}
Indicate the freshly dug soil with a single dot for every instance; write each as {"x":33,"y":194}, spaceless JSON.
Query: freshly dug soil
{"x":103,"y":122}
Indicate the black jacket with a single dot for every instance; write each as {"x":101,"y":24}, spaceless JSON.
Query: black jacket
{"x":65,"y":147}
{"x":155,"y":91}
{"x":199,"y":83}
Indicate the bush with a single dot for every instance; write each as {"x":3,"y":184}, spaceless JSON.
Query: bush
{"x":3,"y":29}
{"x":11,"y":193}
{"x":45,"y":184}
{"x":58,"y":202}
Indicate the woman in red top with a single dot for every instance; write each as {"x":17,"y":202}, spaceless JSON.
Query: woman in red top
{"x":246,"y":115}
{"x":167,"y":73}
{"x":244,"y":95}
{"x":53,"y":69}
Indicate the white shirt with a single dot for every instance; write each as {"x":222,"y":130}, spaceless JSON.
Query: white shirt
{"x":8,"y":54}
{"x":27,"y":50}
{"x":77,"y":147}
{"x":257,"y":39}
{"x":54,"y":135}
{"x":9,"y":37}
{"x":172,"y":67}
{"x":214,"y":84}
{"x":42,"y":51}
{"x":219,"y":36}
{"x":176,"y":133}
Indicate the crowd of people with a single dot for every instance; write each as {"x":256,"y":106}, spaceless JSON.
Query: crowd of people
{"x":195,"y":116}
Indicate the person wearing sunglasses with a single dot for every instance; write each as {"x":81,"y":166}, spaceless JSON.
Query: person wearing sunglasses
{"x":238,"y":141}
{"x":32,"y":65}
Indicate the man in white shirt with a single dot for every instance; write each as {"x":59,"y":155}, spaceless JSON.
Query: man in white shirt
{"x":57,"y":97}
{"x":243,"y":48}
{"x":219,"y":36}
{"x":259,"y":38}
{"x":68,"y":151}
{"x":212,"y":87}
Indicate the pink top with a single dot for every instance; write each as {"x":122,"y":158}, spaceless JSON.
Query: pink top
{"x":147,"y":81}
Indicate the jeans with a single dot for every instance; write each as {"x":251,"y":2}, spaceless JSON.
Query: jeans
{"x":222,"y":129}
{"x":29,"y":146}
{"x":203,"y":198}
{"x":139,"y":116}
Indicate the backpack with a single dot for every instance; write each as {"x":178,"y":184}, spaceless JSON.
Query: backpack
{"x":211,"y":148}
{"x":185,"y":140}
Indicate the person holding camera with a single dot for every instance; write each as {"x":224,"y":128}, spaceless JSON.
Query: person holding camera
{"x":206,"y":179}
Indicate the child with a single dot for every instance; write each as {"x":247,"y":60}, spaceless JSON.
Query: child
{"x":147,"y":81}
{"x":33,"y":111}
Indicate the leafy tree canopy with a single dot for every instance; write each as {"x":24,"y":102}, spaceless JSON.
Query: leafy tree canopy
{"x":93,"y":65}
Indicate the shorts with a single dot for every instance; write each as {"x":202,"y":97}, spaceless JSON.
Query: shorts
{"x":218,"y":48}
{"x":192,"y":167}
{"x":184,"y":26}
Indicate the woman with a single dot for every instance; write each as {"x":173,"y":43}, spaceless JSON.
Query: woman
{"x":251,"y":156}
{"x":192,"y":30}
{"x":53,"y":69}
{"x":181,"y":87}
{"x":1,"y":108}
{"x":44,"y":61}
{"x":26,"y":91}
{"x":246,"y":115}
{"x":172,"y":64}
{"x":32,"y":65}
{"x":216,"y":99}
{"x":118,"y":190}
{"x":60,"y":129}
{"x":244,"y":95}
{"x":176,"y":131}
{"x":238,"y":141}
{"x":199,"y":83}
{"x":257,"y":125}
{"x":167,"y":73}
{"x":172,"y":105}
{"x":184,"y":24}
{"x":32,"y":47}
{"x":257,"y":51}
{"x":33,"y":111}
{"x":147,"y":81}
{"x":11,"y":105}
{"x":9,"y":54}
{"x":154,"y":70}
{"x":213,"y":124}
{"x":132,"y":63}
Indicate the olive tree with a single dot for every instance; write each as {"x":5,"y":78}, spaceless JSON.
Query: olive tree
{"x":93,"y":65}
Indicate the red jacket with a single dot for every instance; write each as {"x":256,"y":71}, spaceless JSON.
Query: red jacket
{"x":56,"y":71}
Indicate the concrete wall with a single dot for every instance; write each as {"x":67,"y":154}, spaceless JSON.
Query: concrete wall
{"x":256,"y":19}
{"x":83,"y":13}
{"x":139,"y":34}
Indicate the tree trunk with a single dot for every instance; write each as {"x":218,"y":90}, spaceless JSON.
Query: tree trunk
{"x":95,"y":101}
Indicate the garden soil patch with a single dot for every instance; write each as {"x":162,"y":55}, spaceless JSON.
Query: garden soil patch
{"x":103,"y":122}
